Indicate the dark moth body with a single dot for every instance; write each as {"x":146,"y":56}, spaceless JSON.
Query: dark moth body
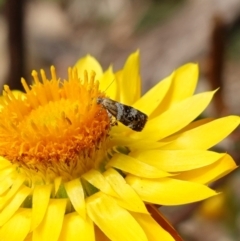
{"x":127,"y":115}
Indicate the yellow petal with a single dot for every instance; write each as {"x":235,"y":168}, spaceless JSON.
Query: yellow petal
{"x":118,"y":76}
{"x":144,"y":144}
{"x":130,"y":82}
{"x":117,"y":223}
{"x":76,"y":228}
{"x":6,"y":181}
{"x":12,"y":191}
{"x":178,"y":160}
{"x":19,"y":94}
{"x":14,"y":204}
{"x":8,"y":171}
{"x":185,"y":82}
{"x":134,"y":144}
{"x":205,"y":136}
{"x":128,"y":198}
{"x":89,"y":64}
{"x":108,"y":83}
{"x":173,"y":120}
{"x":17,"y":228}
{"x":210,"y":173}
{"x":98,"y":180}
{"x":183,"y":86}
{"x":151,"y":228}
{"x":57,"y":183}
{"x":4,"y":163}
{"x":75,"y":193}
{"x":168,"y":191}
{"x":136,"y":167}
{"x":51,"y":225}
{"x":40,"y":200}
{"x":191,"y":125}
{"x":214,"y":208}
{"x":151,"y":100}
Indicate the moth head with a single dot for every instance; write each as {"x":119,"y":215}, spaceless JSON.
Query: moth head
{"x":99,"y":100}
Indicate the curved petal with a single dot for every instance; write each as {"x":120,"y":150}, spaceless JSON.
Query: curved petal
{"x":178,"y":160}
{"x":128,"y":198}
{"x":17,"y":228}
{"x":169,"y":191}
{"x":51,"y":225}
{"x":75,"y":193}
{"x":89,"y":64}
{"x":98,"y":180}
{"x":205,"y":136}
{"x":151,"y":228}
{"x":76,"y":228}
{"x":4,"y":163}
{"x":167,"y":123}
{"x":118,"y":76}
{"x":130,"y":82}
{"x":183,"y":86}
{"x":210,"y":173}
{"x":17,"y":184}
{"x":185,"y":81}
{"x":192,"y":125}
{"x":136,"y":167}
{"x":14,"y":204}
{"x":152,"y":99}
{"x":19,"y":94}
{"x":116,"y":222}
{"x":40,"y":200}
{"x":57,"y":184}
{"x":6,"y":181}
{"x":8,"y":171}
{"x":108,"y":83}
{"x":134,"y":144}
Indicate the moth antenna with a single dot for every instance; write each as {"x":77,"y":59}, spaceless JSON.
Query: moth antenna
{"x":109,"y":85}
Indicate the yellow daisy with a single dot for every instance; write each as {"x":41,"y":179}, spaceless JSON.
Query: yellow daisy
{"x":68,"y":172}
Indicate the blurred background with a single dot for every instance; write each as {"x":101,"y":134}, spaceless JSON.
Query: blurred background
{"x":35,"y":34}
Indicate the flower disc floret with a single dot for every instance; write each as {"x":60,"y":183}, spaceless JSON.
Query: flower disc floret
{"x":55,"y":127}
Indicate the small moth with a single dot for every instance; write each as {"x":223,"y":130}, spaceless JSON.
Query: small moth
{"x":127,"y":115}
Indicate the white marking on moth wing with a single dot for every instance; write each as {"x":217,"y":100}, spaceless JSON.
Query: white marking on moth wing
{"x":131,"y":125}
{"x":133,"y":112}
{"x":120,"y":111}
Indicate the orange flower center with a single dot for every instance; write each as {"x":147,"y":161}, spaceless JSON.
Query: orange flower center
{"x":56,"y":128}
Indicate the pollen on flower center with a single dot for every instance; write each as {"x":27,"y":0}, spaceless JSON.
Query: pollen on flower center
{"x":56,"y":128}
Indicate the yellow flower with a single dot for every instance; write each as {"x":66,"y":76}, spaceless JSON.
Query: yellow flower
{"x":69,"y":173}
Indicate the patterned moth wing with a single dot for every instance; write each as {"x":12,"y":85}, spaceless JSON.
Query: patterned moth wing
{"x":127,"y":115}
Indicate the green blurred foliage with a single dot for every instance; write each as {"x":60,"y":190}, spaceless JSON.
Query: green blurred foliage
{"x":157,"y":12}
{"x":1,"y":3}
{"x":233,"y":46}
